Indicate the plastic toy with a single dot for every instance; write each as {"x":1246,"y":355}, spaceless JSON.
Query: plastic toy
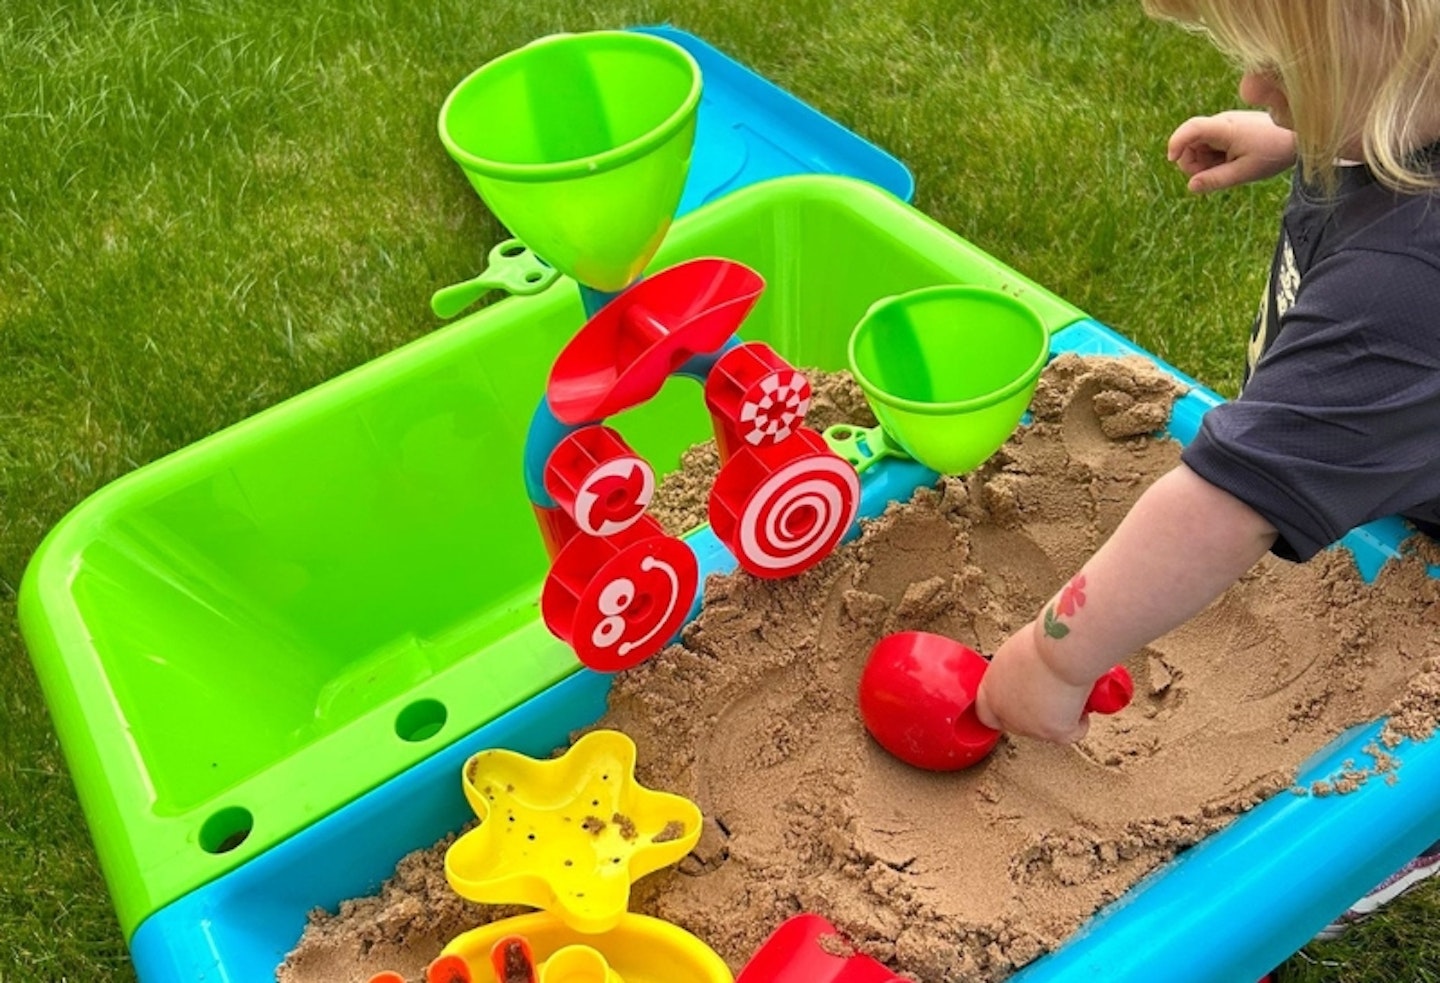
{"x":755,"y":398}
{"x":638,"y":949}
{"x":672,"y":322}
{"x":577,"y":964}
{"x":623,"y":355}
{"x":617,"y":599}
{"x":782,"y":507}
{"x":191,"y":914}
{"x":917,"y":695}
{"x":510,"y":266}
{"x":948,"y":370}
{"x":580,"y":144}
{"x":619,"y":587}
{"x":567,"y":835}
{"x":783,"y":498}
{"x":513,"y":961}
{"x":806,"y":948}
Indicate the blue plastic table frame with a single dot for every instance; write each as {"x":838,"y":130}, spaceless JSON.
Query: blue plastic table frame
{"x":1230,"y":908}
{"x":748,"y":129}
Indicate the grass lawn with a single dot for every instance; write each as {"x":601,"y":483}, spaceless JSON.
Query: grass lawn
{"x":208,"y":207}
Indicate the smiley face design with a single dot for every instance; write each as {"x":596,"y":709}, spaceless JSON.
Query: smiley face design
{"x":619,"y":600}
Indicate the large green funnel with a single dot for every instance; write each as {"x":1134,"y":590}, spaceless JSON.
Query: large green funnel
{"x":580,"y":144}
{"x":949,"y":370}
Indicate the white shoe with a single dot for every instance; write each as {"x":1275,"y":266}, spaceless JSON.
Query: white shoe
{"x":1417,"y":870}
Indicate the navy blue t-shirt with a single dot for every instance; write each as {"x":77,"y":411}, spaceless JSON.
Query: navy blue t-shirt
{"x":1338,"y":422}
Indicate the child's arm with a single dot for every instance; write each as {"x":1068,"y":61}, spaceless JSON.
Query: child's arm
{"x":1230,"y":148}
{"x":1181,"y":545}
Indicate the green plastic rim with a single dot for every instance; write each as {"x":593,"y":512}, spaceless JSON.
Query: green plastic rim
{"x":986,"y":295}
{"x":643,"y":46}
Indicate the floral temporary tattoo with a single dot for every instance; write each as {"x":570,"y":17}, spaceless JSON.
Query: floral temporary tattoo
{"x":1070,"y":600}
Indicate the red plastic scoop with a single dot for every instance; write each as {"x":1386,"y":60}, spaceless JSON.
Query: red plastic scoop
{"x":917,"y":697}
{"x":808,"y":949}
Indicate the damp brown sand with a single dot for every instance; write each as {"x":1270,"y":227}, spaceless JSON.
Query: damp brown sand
{"x":966,"y":876}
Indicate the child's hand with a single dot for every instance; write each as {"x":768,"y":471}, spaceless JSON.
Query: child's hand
{"x":1021,"y":693}
{"x":1229,"y":149}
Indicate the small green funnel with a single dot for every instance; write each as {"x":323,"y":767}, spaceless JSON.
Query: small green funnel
{"x":580,"y":144}
{"x":949,"y":371}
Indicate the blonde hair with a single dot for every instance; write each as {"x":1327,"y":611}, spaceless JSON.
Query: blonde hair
{"x":1351,"y":69}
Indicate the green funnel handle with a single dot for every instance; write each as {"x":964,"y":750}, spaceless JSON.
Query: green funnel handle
{"x":861,"y":446}
{"x":510,"y":266}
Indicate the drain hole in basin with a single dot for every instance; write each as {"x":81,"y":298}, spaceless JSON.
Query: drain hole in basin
{"x":226,"y":830}
{"x":420,"y":721}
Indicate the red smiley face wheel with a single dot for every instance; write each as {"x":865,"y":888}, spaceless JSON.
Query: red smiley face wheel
{"x":784,"y":507}
{"x":619,"y":600}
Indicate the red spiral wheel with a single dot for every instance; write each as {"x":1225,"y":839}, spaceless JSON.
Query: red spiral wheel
{"x":782,"y":508}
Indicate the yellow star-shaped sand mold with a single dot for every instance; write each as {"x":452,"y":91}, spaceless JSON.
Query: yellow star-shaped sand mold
{"x":568,"y":834}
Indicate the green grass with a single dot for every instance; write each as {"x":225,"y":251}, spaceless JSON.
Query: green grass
{"x":1400,"y":945}
{"x":208,"y":207}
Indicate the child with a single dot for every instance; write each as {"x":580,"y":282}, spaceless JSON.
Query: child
{"x":1338,"y":421}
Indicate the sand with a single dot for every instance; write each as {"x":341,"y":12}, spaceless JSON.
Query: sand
{"x":965,"y":876}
